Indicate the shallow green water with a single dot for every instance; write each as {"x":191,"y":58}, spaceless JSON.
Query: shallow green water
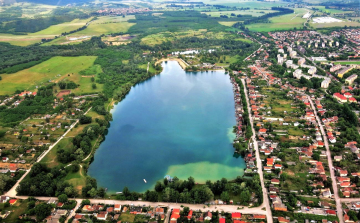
{"x":177,"y":124}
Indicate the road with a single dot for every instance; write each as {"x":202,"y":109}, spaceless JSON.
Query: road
{"x":258,"y":162}
{"x":12,"y":191}
{"x":350,"y":199}
{"x":202,"y":207}
{"x":332,"y":175}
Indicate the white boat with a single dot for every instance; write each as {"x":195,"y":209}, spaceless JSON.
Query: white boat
{"x":145,"y":181}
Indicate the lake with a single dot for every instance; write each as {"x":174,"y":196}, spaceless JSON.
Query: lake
{"x":176,"y":123}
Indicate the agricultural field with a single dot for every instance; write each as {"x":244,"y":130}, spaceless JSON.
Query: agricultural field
{"x":252,"y":4}
{"x":331,"y":11}
{"x":107,"y":25}
{"x":49,"y":33}
{"x":29,"y":10}
{"x":48,"y":71}
{"x":283,"y":22}
{"x":158,"y":38}
{"x":254,"y":13}
{"x":334,"y":24}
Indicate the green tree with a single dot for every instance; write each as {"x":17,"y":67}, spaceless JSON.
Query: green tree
{"x":92,"y":192}
{"x":245,"y":196}
{"x":42,"y":211}
{"x":63,"y":198}
{"x":225,"y":196}
{"x":3,"y":180}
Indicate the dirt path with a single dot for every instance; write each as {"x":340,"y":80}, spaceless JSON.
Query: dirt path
{"x":92,"y":149}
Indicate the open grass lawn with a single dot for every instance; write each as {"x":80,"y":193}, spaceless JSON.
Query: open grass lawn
{"x":284,"y":22}
{"x":50,"y":159}
{"x":50,"y":70}
{"x":17,"y":209}
{"x":48,"y":33}
{"x":230,"y":23}
{"x":228,"y":60}
{"x":77,"y":130}
{"x":296,"y":132}
{"x":78,"y":179}
{"x":347,"y":62}
{"x":85,"y":84}
{"x":107,"y":25}
{"x":127,"y":217}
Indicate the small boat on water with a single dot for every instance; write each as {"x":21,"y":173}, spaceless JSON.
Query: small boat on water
{"x":145,"y":181}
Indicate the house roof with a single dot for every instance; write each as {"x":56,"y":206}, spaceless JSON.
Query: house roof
{"x":236,"y":215}
{"x":12,"y":201}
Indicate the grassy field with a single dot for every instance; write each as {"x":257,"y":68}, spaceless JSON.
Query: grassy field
{"x":29,"y":10}
{"x":51,"y":32}
{"x":50,"y":159}
{"x":347,"y":62}
{"x":247,"y":3}
{"x":50,"y":70}
{"x":284,"y":22}
{"x":17,"y":209}
{"x":127,"y":217}
{"x":107,"y":25}
{"x":332,"y":11}
{"x":170,"y":36}
{"x":254,"y":13}
{"x":230,"y":23}
{"x":77,"y":179}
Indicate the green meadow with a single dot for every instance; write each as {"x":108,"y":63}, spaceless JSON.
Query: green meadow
{"x":51,"y":70}
{"x":107,"y":25}
{"x":50,"y":32}
{"x":283,"y":22}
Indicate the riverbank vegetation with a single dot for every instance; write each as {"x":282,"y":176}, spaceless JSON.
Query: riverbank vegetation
{"x":241,"y":191}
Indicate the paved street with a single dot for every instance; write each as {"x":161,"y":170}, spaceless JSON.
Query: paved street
{"x":332,"y":175}
{"x":258,"y":161}
{"x":202,"y":207}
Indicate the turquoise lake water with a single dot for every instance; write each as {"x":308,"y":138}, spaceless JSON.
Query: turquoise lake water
{"x":177,"y":124}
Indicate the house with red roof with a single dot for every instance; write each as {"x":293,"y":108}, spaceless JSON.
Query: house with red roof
{"x":262,"y":131}
{"x":275,"y":181}
{"x":236,"y":216}
{"x":190,"y":215}
{"x":283,"y":220}
{"x":12,"y":201}
{"x":340,"y":97}
{"x":13,"y":167}
{"x":175,"y":214}
{"x":330,"y":212}
{"x":259,"y":216}
{"x":222,"y":220}
{"x":352,"y":100}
